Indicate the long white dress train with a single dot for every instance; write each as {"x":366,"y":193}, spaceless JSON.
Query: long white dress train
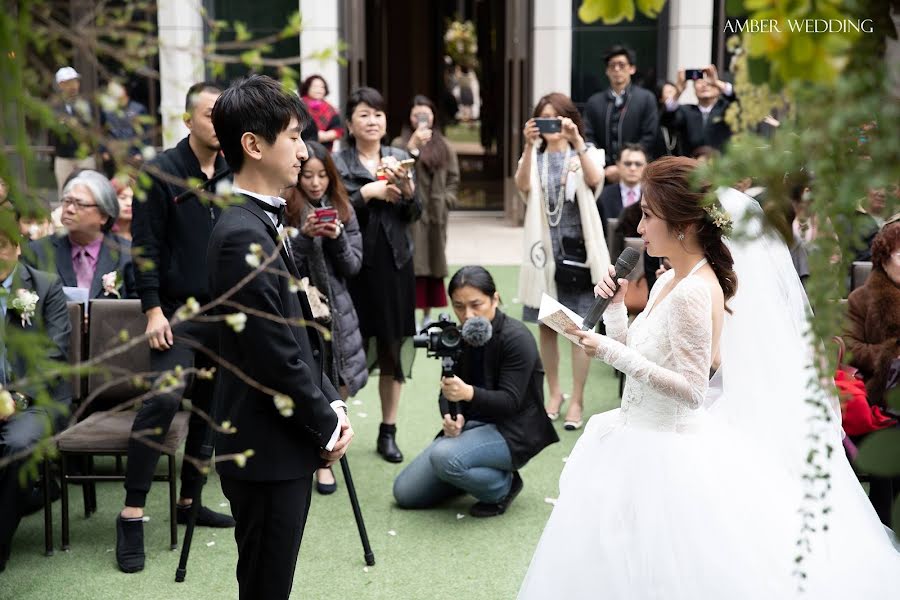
{"x":665,"y":499}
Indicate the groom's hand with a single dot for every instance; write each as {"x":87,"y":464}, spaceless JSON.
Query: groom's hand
{"x":340,"y":446}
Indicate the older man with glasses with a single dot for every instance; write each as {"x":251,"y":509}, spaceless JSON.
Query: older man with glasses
{"x":91,"y":261}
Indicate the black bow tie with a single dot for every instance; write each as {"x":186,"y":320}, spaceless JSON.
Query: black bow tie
{"x":277,"y":211}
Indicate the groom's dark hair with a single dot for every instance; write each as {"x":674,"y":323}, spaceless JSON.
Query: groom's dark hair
{"x":257,"y":104}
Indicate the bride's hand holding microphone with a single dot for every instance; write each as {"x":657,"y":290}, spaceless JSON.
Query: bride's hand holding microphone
{"x":605,"y":288}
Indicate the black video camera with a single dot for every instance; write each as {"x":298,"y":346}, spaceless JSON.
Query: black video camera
{"x":442,"y":339}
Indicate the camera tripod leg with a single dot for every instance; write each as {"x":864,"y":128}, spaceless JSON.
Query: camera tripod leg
{"x":357,"y":513}
{"x":206,"y":452}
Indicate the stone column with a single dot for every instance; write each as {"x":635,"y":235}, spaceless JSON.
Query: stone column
{"x":552,"y":70}
{"x":690,"y":36}
{"x":321,"y":31}
{"x":181,"y":37}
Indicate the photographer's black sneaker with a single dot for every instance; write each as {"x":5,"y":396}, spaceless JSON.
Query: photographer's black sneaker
{"x":489,"y":509}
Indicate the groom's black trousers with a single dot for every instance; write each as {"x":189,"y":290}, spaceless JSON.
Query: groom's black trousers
{"x":270,"y":519}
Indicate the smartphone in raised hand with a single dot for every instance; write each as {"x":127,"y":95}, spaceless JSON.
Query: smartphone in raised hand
{"x":548,"y":125}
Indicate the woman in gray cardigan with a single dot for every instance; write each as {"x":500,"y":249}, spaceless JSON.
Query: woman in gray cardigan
{"x":329,"y":251}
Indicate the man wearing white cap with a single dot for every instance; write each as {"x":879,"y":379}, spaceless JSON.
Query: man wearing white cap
{"x":74,"y":113}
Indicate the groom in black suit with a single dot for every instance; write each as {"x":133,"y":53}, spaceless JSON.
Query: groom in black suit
{"x":258,"y":125}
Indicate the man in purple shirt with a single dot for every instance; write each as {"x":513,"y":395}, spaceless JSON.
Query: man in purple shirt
{"x":88,"y":251}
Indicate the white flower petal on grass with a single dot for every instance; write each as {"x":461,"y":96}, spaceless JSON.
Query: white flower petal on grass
{"x":392,"y":532}
{"x":362,"y":415}
{"x":209,"y":544}
{"x":550,"y":501}
{"x":460,"y":516}
{"x":223,"y":504}
{"x":565,"y":458}
{"x":357,"y":402}
{"x":365,"y":569}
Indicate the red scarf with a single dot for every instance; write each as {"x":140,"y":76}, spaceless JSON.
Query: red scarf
{"x":323,"y":114}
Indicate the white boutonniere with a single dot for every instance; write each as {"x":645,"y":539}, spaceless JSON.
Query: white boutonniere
{"x":25,"y":303}
{"x":111,"y":282}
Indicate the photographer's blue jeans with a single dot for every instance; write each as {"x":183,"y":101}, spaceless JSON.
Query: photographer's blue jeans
{"x":476,"y":462}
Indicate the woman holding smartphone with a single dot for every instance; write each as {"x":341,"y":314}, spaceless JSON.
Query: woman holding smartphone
{"x":381,"y":188}
{"x":437,"y":181}
{"x":565,"y":250}
{"x":329,"y":252}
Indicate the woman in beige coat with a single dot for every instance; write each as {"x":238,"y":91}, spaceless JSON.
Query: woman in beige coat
{"x":565,"y":251}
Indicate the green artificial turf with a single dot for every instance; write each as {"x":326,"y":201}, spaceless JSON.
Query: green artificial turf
{"x":437,"y":553}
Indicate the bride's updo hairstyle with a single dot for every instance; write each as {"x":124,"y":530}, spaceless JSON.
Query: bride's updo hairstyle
{"x":669,"y":194}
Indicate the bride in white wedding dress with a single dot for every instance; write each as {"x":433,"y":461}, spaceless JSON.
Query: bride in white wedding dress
{"x":693,"y":493}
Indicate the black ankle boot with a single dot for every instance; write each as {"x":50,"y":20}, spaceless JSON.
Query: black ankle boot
{"x":387,"y":446}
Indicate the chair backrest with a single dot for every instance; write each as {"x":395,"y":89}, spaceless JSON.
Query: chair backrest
{"x":76,"y":345}
{"x":637,"y":244}
{"x":611,"y":224}
{"x":108,"y":319}
{"x":859,"y":272}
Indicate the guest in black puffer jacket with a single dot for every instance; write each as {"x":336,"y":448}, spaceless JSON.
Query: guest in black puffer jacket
{"x":329,"y":251}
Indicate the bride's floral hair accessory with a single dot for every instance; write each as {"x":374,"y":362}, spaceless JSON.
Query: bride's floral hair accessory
{"x":719,"y":217}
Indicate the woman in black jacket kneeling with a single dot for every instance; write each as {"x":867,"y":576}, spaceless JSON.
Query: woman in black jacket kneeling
{"x":501,"y":422}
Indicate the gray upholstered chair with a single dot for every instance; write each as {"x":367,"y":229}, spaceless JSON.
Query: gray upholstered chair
{"x":106,"y":430}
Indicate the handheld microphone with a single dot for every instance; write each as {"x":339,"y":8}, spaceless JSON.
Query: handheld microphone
{"x":625,"y":264}
{"x":477,"y":331}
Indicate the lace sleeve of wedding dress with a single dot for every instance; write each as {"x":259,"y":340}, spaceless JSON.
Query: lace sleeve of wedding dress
{"x":615,"y":317}
{"x":688,"y":327}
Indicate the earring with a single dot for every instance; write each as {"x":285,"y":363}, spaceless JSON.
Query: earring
{"x":680,"y":236}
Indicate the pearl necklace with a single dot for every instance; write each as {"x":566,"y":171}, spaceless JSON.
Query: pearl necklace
{"x":554,"y":215}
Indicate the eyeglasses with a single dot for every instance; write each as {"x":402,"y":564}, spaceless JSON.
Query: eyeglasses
{"x":632,"y":163}
{"x":615,"y":66}
{"x":78,"y":204}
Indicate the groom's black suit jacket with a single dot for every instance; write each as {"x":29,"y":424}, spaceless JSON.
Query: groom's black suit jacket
{"x":283,"y":358}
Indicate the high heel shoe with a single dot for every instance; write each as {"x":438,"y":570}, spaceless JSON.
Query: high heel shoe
{"x":555,"y":415}
{"x":573,"y":424}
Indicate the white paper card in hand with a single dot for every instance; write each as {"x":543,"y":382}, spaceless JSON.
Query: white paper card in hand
{"x":559,"y":318}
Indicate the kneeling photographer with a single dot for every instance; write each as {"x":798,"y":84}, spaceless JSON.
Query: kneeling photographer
{"x":495,"y":420}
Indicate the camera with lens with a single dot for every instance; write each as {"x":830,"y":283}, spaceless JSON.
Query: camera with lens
{"x":442,"y":339}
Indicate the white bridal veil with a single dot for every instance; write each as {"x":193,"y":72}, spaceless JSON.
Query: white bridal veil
{"x":767,"y":385}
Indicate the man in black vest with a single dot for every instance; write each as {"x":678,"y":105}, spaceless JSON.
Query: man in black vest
{"x":622,"y":114}
{"x":171,"y":230}
{"x":283,"y":406}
